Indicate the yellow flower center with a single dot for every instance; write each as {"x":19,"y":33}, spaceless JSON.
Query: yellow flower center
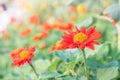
{"x":24,"y":54}
{"x":58,"y":43}
{"x":80,"y":38}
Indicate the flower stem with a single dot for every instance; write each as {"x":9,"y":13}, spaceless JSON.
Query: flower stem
{"x":118,"y":30}
{"x":34,"y":70}
{"x":85,"y":64}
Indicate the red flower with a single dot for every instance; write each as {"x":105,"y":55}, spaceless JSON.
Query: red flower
{"x":34,"y":19}
{"x":71,"y":9}
{"x":40,"y":36}
{"x":21,"y":56}
{"x":81,"y":38}
{"x":49,"y":26}
{"x":25,"y":32}
{"x":66,"y":26}
{"x":59,"y":20}
{"x":12,"y":20}
{"x":59,"y":46}
{"x":6,"y":36}
{"x":73,"y":17}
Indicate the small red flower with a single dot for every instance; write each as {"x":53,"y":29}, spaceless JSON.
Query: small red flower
{"x":34,"y":19}
{"x":40,"y":36}
{"x":66,"y":26}
{"x":81,"y":38}
{"x":25,"y":32}
{"x":49,"y":26}
{"x":71,"y":9}
{"x":59,"y":20}
{"x":59,"y":46}
{"x":21,"y":56}
{"x":5,"y":36}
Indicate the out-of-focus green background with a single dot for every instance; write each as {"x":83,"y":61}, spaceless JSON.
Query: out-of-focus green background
{"x":17,"y":16}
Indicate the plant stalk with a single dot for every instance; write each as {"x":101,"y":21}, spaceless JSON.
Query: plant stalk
{"x":33,"y":70}
{"x":85,"y":64}
{"x":118,"y":30}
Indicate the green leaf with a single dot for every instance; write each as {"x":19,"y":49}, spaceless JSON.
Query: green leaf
{"x":49,"y":74}
{"x":88,"y":22}
{"x":107,"y":73}
{"x":113,"y":11}
{"x":111,"y":64}
{"x":66,"y":56}
{"x":69,"y":78}
{"x":93,"y":64}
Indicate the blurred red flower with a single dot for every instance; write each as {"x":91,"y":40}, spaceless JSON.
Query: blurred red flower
{"x":25,"y":32}
{"x":59,"y":20}
{"x":49,"y":26}
{"x":73,"y":17}
{"x":21,"y":56}
{"x":59,"y":46}
{"x":34,"y":19}
{"x":66,"y":26}
{"x":40,"y":36}
{"x":5,"y":36}
{"x":72,"y":9}
{"x":80,"y":38}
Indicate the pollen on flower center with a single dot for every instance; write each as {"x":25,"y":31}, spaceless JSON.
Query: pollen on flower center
{"x":24,"y":54}
{"x":58,"y":43}
{"x":80,"y":38}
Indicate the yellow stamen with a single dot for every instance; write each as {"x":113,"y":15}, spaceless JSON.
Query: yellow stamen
{"x":80,"y":38}
{"x":24,"y":54}
{"x":58,"y":43}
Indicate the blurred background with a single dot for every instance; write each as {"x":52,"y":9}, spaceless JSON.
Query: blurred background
{"x":41,"y":23}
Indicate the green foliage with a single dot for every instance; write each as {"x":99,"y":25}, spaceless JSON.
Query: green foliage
{"x":113,"y":11}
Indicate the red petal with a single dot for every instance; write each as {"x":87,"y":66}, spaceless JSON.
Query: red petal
{"x":83,"y":30}
{"x":91,"y":46}
{"x":91,"y":30}
{"x":95,"y":36}
{"x":77,"y":29}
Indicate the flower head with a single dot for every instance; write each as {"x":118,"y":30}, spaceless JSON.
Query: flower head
{"x":21,"y":56}
{"x":40,"y":36}
{"x":66,"y":26}
{"x":81,"y":38}
{"x":59,"y":46}
{"x":25,"y":32}
{"x":34,"y":19}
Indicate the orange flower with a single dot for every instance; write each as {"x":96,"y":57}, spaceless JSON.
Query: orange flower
{"x":12,"y":20}
{"x":81,"y":38}
{"x":49,"y":26}
{"x":59,"y":20}
{"x":25,"y":32}
{"x":71,"y":9}
{"x":34,"y":19}
{"x":66,"y":26}
{"x":21,"y":56}
{"x":40,"y":36}
{"x":6,"y":36}
{"x":59,"y":46}
{"x":42,"y":44}
{"x":73,"y":17}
